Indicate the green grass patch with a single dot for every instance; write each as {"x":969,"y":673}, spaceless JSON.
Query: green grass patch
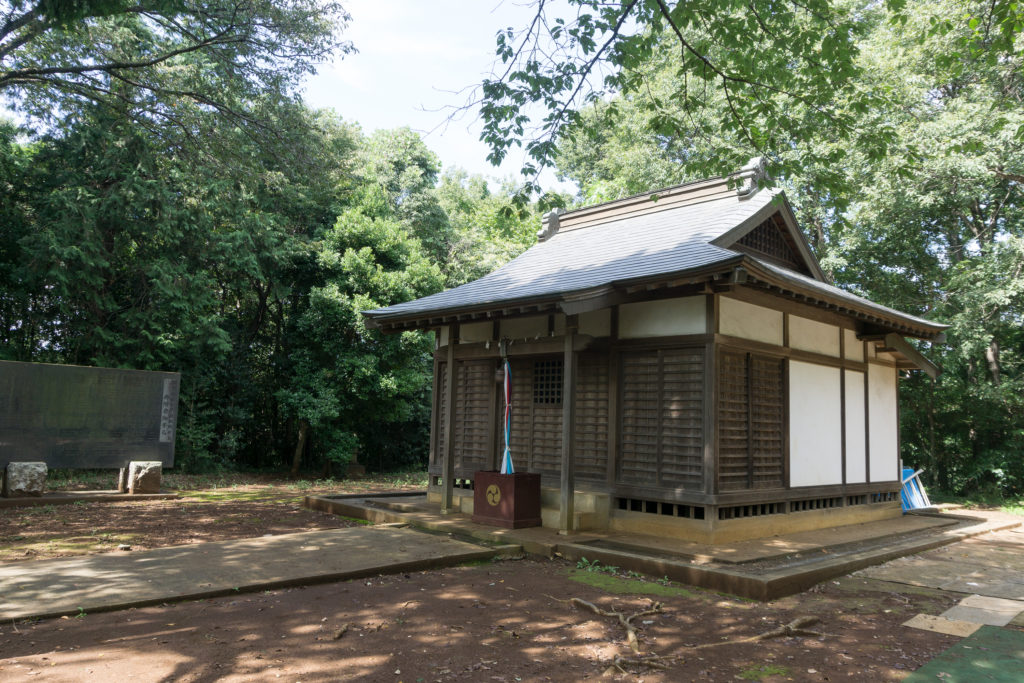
{"x":356,"y":520}
{"x":618,"y":585}
{"x":235,"y":496}
{"x":1016,"y":508}
{"x":757,"y":673}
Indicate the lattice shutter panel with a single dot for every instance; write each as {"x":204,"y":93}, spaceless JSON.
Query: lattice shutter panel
{"x":767,"y":418}
{"x":536,"y":417}
{"x":592,"y":417}
{"x":733,"y":457}
{"x":682,"y":418}
{"x":638,"y":457}
{"x":522,"y":413}
{"x":474,"y":385}
{"x":437,"y":457}
{"x":546,"y":405}
{"x":662,"y":418}
{"x":751,"y":421}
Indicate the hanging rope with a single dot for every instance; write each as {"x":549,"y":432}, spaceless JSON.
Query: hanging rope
{"x":506,"y":457}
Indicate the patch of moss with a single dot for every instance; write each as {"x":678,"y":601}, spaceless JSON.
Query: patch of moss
{"x":356,"y":520}
{"x":621,"y":586}
{"x":758,"y":673}
{"x":74,"y":545}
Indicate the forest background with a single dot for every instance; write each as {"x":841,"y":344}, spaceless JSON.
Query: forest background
{"x":168,"y":202}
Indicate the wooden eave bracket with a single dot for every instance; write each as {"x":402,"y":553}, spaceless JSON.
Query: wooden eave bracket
{"x":897,"y":344}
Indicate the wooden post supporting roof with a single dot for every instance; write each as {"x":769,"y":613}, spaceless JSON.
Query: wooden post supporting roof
{"x":566,"y":509}
{"x":448,"y":476}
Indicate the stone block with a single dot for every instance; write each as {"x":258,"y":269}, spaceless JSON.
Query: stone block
{"x":24,"y":479}
{"x":144,"y":476}
{"x":122,"y":480}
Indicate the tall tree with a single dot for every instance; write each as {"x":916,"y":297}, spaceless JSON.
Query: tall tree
{"x":777,"y":67}
{"x":166,"y":65}
{"x":933,"y":227}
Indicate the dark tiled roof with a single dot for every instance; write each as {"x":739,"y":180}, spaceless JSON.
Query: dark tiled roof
{"x":633,"y":248}
{"x":802,"y":281}
{"x":620,"y":250}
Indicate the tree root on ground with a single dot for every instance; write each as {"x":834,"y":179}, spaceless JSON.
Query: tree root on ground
{"x":793,"y":628}
{"x":655,"y":662}
{"x":625,"y":621}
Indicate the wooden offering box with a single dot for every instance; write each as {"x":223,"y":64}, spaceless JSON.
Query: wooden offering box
{"x":511,"y":501}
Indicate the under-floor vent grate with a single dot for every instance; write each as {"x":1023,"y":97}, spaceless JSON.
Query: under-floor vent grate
{"x":657,"y":507}
{"x":815,"y":504}
{"x":757,"y":510}
{"x":460,"y":483}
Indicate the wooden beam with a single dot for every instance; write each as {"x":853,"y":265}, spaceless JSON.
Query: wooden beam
{"x":448,"y":476}
{"x":566,"y":509}
{"x":901,"y":345}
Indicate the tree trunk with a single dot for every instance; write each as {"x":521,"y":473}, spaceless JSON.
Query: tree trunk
{"x":300,"y":447}
{"x":992,"y":356}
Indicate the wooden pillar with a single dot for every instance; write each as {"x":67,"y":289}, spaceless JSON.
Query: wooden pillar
{"x":448,"y":457}
{"x":566,"y":510}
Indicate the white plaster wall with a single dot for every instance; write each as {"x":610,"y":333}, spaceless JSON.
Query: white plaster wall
{"x":853,"y":348}
{"x":811,"y":335}
{"x":663,"y":318}
{"x":596,"y":323}
{"x":815,"y":425}
{"x":883,"y":425}
{"x":749,"y":321}
{"x":856,"y":438}
{"x":525,"y":328}
{"x":442,"y":338}
{"x":476,"y":332}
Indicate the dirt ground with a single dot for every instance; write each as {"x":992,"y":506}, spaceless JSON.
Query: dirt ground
{"x":497,"y":621}
{"x":210,"y":509}
{"x":502,"y":621}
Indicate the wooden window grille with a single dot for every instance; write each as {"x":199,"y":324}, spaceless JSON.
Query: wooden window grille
{"x":857,"y":500}
{"x":771,"y":240}
{"x":884,"y":497}
{"x":474,"y":385}
{"x":536,"y":425}
{"x":661,"y":439}
{"x":751,"y":421}
{"x":547,"y":382}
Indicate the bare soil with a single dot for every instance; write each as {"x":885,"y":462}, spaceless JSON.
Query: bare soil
{"x":504,"y":621}
{"x":210,"y":509}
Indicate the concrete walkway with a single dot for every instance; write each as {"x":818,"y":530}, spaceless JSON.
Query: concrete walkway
{"x":991,"y":565}
{"x":50,"y":588}
{"x":763,"y":569}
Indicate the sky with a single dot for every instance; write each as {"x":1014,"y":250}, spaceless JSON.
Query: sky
{"x":416,"y":61}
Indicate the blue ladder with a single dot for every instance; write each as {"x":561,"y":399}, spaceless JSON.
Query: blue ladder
{"x":913,"y":495}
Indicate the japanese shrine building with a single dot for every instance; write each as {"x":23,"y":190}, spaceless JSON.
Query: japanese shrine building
{"x":680,"y":366}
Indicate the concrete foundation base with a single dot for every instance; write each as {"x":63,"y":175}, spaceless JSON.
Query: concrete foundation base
{"x":763,"y":569}
{"x":595,"y":512}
